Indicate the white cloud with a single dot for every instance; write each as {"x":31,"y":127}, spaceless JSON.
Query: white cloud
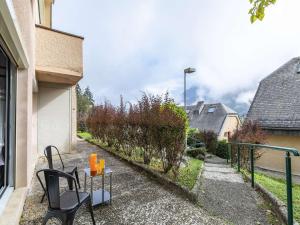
{"x":246,"y":97}
{"x":133,"y":46}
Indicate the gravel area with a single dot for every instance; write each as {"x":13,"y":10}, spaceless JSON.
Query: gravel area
{"x":224,"y":193}
{"x":137,"y":199}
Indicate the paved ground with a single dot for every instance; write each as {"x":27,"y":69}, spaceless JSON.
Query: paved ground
{"x":224,"y":193}
{"x":136,"y":198}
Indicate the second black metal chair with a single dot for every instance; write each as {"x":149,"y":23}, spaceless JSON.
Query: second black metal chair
{"x":72,"y":170}
{"x":63,"y":206}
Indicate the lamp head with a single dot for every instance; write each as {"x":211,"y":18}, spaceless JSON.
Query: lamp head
{"x":189,"y":70}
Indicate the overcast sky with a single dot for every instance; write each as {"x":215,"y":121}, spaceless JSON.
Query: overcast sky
{"x":143,"y":45}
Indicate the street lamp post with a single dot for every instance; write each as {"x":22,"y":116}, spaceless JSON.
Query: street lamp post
{"x":186,"y":71}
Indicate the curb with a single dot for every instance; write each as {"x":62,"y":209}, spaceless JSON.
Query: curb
{"x":198,"y":183}
{"x":161,"y":179}
{"x":277,"y":205}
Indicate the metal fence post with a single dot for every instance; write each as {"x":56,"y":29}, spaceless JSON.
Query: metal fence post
{"x":289,"y":188}
{"x":252,"y":165}
{"x":230,"y":150}
{"x":228,"y":153}
{"x":238,"y":159}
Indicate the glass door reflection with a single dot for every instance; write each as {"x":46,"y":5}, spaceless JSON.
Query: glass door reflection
{"x":3,"y":119}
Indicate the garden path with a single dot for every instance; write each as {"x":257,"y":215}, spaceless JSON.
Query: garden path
{"x":223,"y":193}
{"x":137,"y":199}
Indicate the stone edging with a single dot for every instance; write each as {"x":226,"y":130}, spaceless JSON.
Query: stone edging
{"x":199,"y":179}
{"x":163,"y":180}
{"x":277,"y":205}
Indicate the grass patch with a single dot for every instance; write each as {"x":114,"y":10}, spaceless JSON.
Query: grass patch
{"x":84,"y":135}
{"x":187,"y":175}
{"x":277,"y":187}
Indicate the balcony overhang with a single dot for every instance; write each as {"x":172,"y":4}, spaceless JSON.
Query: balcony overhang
{"x":58,"y":56}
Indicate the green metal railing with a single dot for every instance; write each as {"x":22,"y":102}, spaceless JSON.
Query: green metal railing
{"x":288,"y":170}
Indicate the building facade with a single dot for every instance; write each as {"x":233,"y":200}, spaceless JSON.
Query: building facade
{"x":39,"y":68}
{"x":276,"y":107}
{"x":217,"y":117}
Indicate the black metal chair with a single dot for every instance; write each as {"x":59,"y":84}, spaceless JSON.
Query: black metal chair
{"x":63,"y":206}
{"x":72,"y":170}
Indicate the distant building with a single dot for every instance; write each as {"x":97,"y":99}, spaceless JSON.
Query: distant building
{"x":218,"y":118}
{"x":276,"y":106}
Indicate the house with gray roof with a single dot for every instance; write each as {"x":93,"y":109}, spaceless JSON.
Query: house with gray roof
{"x":276,"y":107}
{"x":217,"y":117}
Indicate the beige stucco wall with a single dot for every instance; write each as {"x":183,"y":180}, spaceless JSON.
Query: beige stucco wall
{"x":45,"y":7}
{"x":65,"y":58}
{"x":48,"y":13}
{"x":230,"y":124}
{"x":24,"y":152}
{"x":74,"y":116}
{"x":58,"y":56}
{"x":274,"y":160}
{"x":34,"y":124}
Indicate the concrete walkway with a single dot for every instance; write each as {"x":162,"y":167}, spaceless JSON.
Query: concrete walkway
{"x":137,"y":199}
{"x":224,"y":193}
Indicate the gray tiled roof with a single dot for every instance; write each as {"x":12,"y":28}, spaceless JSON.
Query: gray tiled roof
{"x":276,"y":104}
{"x":203,"y":120}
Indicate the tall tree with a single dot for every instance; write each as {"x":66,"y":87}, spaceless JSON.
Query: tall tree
{"x":89,"y":95}
{"x":78,"y":90}
{"x":257,"y":10}
{"x":85,"y":101}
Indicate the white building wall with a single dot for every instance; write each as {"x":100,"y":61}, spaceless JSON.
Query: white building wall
{"x":54,"y":117}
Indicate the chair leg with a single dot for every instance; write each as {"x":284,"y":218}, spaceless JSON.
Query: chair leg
{"x":70,"y":183}
{"x":77,"y":178}
{"x":91,"y":210}
{"x":70,"y":218}
{"x":50,"y":215}
{"x":46,"y":218}
{"x":43,"y":197}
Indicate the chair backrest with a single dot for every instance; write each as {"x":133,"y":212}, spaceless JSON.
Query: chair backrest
{"x":52,"y":188}
{"x":48,"y":155}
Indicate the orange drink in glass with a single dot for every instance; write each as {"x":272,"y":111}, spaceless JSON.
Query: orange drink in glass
{"x":93,"y":161}
{"x":101,"y":165}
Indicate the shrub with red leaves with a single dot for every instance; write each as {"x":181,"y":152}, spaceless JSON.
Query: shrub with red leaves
{"x":249,"y":132}
{"x":154,"y":124}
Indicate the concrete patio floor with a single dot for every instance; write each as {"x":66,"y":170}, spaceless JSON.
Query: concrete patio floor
{"x":137,"y":199}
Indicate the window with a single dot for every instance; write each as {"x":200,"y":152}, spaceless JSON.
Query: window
{"x":227,"y":134}
{"x":211,"y":109}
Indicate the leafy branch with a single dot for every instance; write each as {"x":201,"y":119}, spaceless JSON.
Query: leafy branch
{"x":258,"y":9}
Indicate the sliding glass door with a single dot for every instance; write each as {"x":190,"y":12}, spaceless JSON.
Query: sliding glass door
{"x":3,"y":119}
{"x":7,"y":122}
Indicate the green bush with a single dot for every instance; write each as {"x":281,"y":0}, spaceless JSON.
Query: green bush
{"x":222,"y":149}
{"x":198,"y":153}
{"x":195,"y":143}
{"x":195,"y":138}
